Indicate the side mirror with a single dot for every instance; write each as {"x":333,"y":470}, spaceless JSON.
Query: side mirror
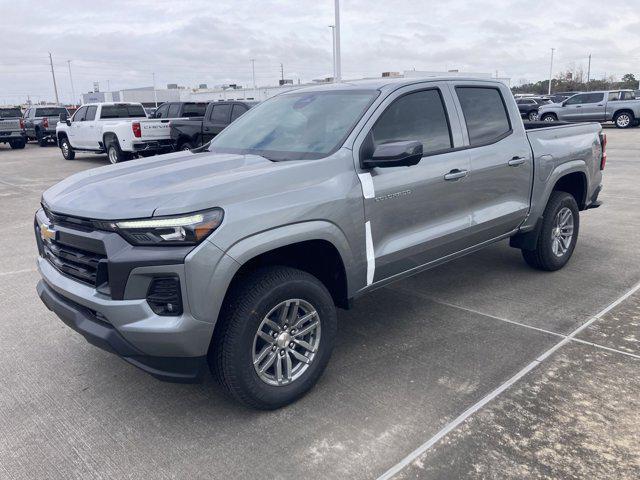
{"x":395,"y":154}
{"x":64,"y":118}
{"x":564,"y":103}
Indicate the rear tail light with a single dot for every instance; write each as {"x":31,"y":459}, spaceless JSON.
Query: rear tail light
{"x":137,"y":131}
{"x":45,"y":122}
{"x":21,"y":124}
{"x":603,"y":144}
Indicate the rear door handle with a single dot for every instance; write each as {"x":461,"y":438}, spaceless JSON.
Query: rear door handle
{"x":515,"y":161}
{"x":455,"y":174}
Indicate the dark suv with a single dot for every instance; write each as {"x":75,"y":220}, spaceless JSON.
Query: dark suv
{"x":529,"y":107}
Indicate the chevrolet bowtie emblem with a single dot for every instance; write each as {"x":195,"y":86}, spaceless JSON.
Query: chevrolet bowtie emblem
{"x":47,"y":233}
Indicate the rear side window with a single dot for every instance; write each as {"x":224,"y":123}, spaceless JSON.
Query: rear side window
{"x":628,"y":96}
{"x":484,"y":113}
{"x":237,"y":111}
{"x":49,"y":112}
{"x":122,"y":111}
{"x":194,"y":110}
{"x":91,"y":113}
{"x":174,"y":110}
{"x":417,"y":116}
{"x":220,"y":113}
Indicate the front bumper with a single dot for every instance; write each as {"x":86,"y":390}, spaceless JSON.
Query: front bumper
{"x":105,"y":336}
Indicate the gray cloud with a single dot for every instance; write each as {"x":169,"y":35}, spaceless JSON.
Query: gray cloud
{"x":123,"y":42}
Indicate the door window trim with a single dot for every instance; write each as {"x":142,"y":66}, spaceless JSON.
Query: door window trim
{"x":463,"y":122}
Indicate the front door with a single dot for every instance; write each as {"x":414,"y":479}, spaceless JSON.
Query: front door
{"x":417,"y":214}
{"x":75,"y":137}
{"x":499,"y":186}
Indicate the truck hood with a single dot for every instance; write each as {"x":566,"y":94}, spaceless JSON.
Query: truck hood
{"x":175,"y":183}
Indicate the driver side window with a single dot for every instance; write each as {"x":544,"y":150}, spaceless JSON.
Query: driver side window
{"x":575,"y":100}
{"x":162,"y":111}
{"x":417,"y":116}
{"x":79,"y":115}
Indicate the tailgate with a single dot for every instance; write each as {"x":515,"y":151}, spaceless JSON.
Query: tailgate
{"x":155,"y":129}
{"x":10,"y":125}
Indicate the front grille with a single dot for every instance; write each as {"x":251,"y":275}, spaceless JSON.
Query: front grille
{"x":88,"y":267}
{"x":73,"y":222}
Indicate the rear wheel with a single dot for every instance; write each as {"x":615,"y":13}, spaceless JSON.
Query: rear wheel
{"x":624,"y":120}
{"x":67,"y":151}
{"x":186,"y":146}
{"x":275,"y":337}
{"x":532,"y":115}
{"x":115,"y":154}
{"x":558,"y":235}
{"x":549,"y":117}
{"x":17,"y":144}
{"x":42,"y":141}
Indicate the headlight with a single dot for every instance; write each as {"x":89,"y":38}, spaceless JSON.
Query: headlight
{"x":188,"y":229}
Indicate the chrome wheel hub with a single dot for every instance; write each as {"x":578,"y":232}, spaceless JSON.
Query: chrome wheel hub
{"x":286,"y":342}
{"x":113,"y":155}
{"x":623,"y":120}
{"x":562,"y":232}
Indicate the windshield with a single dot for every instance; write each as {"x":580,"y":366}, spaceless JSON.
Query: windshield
{"x":50,"y":112}
{"x":296,"y":126}
{"x":122,"y":111}
{"x":10,"y":112}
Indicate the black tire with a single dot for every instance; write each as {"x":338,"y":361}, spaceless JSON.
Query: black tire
{"x":624,"y":120}
{"x":114,"y":153}
{"x":248,"y":302}
{"x":17,"y":144}
{"x":186,"y":146}
{"x":543,"y":257}
{"x":42,"y":141}
{"x":532,"y":116}
{"x":549,"y":117}
{"x":67,"y":150}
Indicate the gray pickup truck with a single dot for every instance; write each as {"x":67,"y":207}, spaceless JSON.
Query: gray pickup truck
{"x":12,"y":127}
{"x":617,"y":106}
{"x":41,"y":121}
{"x":236,"y":254}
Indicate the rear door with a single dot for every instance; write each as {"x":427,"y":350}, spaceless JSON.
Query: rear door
{"x":217,"y":120}
{"x":499,"y":184}
{"x":418,"y":214}
{"x":593,"y":107}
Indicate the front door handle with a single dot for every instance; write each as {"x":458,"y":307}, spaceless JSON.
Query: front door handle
{"x":456,"y":174}
{"x":515,"y":161}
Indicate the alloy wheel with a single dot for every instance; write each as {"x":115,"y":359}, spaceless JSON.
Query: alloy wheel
{"x":623,"y":120}
{"x":286,"y":342}
{"x":562,"y":232}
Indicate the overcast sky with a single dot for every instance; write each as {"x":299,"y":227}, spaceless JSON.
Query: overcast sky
{"x":121,"y":43}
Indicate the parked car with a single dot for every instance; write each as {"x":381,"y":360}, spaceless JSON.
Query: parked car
{"x":122,"y":130}
{"x":194,"y":132}
{"x":236,"y":255}
{"x":40,"y":122}
{"x":560,"y":97}
{"x":150,"y":111}
{"x":529,"y":107}
{"x":619,"y":106}
{"x":12,"y":127}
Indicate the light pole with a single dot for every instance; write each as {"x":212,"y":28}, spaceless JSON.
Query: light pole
{"x":73,"y":91}
{"x":333,"y":40}
{"x":253,"y":72}
{"x":155,"y":95}
{"x":338,"y":75}
{"x":551,"y":70}
{"x":53,"y":74}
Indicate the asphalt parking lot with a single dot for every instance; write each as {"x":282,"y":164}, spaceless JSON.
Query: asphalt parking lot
{"x":476,"y":369}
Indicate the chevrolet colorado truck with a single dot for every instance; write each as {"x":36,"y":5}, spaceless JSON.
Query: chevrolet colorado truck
{"x":40,"y":122}
{"x":194,"y":132}
{"x":12,"y":127}
{"x":617,"y":106}
{"x":236,"y":255}
{"x":121,"y":130}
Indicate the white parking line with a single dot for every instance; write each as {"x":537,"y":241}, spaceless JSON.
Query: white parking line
{"x":15,"y":272}
{"x":398,"y":467}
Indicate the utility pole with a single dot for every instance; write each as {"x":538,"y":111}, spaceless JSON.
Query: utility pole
{"x":551,"y":70}
{"x":282,"y":72}
{"x":155,"y":95}
{"x":55,"y":87}
{"x":338,"y":75}
{"x":589,"y":72}
{"x":73,"y":91}
{"x":333,"y":39}
{"x":253,"y":72}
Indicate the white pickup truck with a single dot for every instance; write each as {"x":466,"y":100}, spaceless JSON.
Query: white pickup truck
{"x":122,"y":130}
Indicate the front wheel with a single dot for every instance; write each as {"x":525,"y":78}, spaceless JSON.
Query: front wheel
{"x":186,"y":146}
{"x":67,"y":150}
{"x":624,"y":120}
{"x":549,"y":117}
{"x":558,"y":235}
{"x":275,"y":336}
{"x":532,"y":116}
